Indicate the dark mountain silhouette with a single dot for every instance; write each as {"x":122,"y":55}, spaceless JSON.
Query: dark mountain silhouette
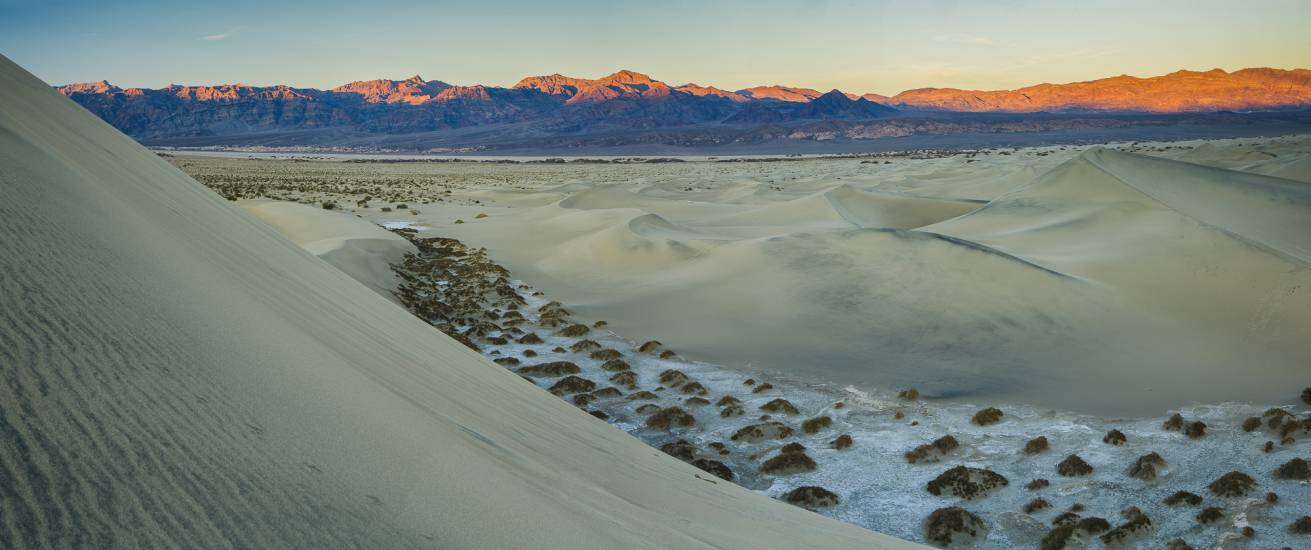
{"x":626,"y":100}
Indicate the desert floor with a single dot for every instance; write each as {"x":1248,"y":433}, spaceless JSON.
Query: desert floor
{"x":1079,"y":290}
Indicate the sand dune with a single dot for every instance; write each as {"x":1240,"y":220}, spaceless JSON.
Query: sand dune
{"x":362,"y":249}
{"x":1151,"y":282}
{"x":180,"y":374}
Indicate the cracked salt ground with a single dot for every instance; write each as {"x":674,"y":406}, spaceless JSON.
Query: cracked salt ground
{"x":769,"y":433}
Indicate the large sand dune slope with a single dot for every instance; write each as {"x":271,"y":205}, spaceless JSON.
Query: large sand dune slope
{"x":177,"y":373}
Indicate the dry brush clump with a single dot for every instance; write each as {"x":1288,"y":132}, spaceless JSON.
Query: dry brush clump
{"x":789,"y":463}
{"x":1232,"y":484}
{"x":1145,"y":467}
{"x":780,"y":406}
{"x":1136,"y":523}
{"x":1297,"y":468}
{"x":988,"y":416}
{"x":814,"y":425}
{"x":572,"y":384}
{"x":1073,"y":466}
{"x":606,"y":354}
{"x":933,"y":451}
{"x":553,"y":368}
{"x":811,"y":497}
{"x":967,"y":483}
{"x":953,"y":525}
{"x":762,"y":431}
{"x":715,"y":468}
{"x":673,"y":378}
{"x":1036,"y":504}
{"x":1114,"y":437}
{"x":1183,"y":497}
{"x":1210,"y":515}
{"x":669,"y":418}
{"x":1036,"y":445}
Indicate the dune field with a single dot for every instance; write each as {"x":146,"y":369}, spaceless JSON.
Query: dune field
{"x":1136,"y":306}
{"x":1151,"y":276}
{"x":180,"y":374}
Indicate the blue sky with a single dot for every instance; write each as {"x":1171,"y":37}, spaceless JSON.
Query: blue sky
{"x":869,"y":46}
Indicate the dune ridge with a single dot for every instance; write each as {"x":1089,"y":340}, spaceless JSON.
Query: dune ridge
{"x":179,"y":372}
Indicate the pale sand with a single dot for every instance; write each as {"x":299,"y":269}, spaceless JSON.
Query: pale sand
{"x":362,"y":249}
{"x":179,"y":374}
{"x":1149,"y":276}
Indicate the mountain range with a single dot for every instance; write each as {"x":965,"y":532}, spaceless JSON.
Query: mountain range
{"x":626,"y":101}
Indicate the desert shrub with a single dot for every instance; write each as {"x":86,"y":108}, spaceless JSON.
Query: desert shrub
{"x":668,"y":418}
{"x":965,"y":482}
{"x":693,"y":388}
{"x":946,"y":526}
{"x":681,"y":449}
{"x":1114,"y":437}
{"x":673,"y":378}
{"x":1145,"y":466}
{"x":788,"y":463}
{"x":1036,"y":504}
{"x":990,"y":415}
{"x":575,"y":330}
{"x":572,"y":384}
{"x":616,"y":365}
{"x":554,"y":368}
{"x":1232,"y":484}
{"x":606,"y":354}
{"x":780,"y":406}
{"x":814,"y":425}
{"x":1073,"y":466}
{"x":1296,"y":468}
{"x":933,"y":451}
{"x":762,"y":431}
{"x":1036,"y":445}
{"x":1210,"y":515}
{"x":714,"y":467}
{"x":811,"y":497}
{"x":1183,"y":497}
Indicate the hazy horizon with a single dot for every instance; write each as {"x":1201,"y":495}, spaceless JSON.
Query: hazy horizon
{"x":877,"y":47}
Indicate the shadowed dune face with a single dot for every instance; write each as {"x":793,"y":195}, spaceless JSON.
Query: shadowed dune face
{"x":1148,"y":281}
{"x":179,"y":374}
